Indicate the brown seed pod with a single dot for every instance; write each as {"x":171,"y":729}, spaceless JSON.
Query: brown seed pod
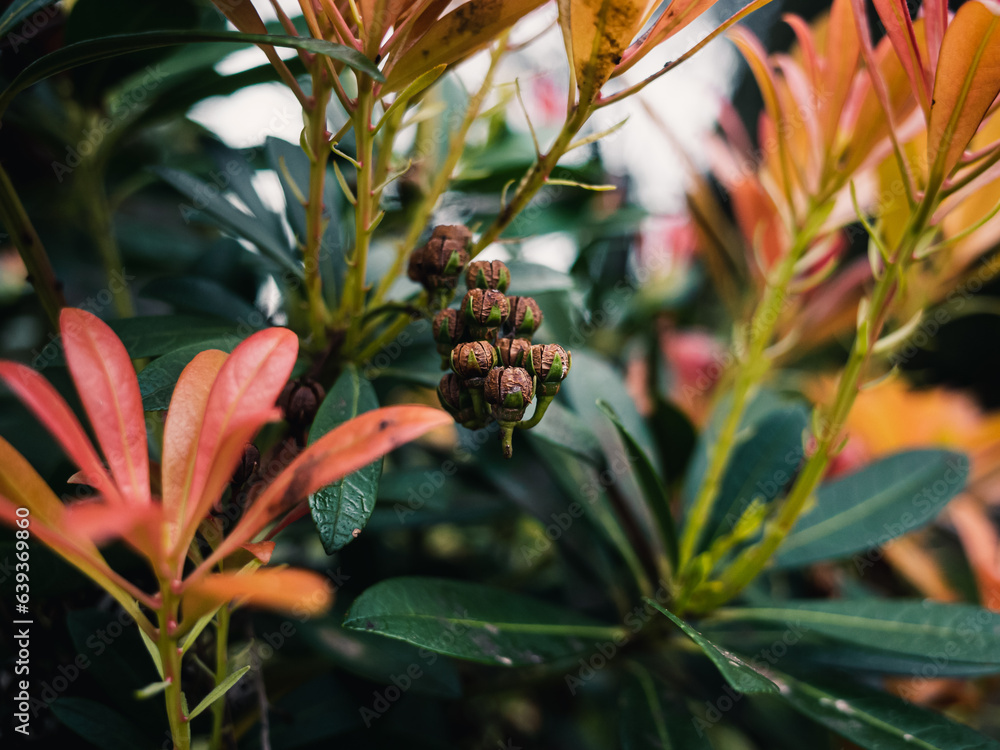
{"x":246,"y":467}
{"x":472,"y":360}
{"x":456,"y":399}
{"x":550,"y":364}
{"x":448,"y":329}
{"x":513,"y":352}
{"x":438,"y":264}
{"x":485,"y":310}
{"x":300,"y":400}
{"x":525,"y":316}
{"x":487,"y":274}
{"x":508,"y":390}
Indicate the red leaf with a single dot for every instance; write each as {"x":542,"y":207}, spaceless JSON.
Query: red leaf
{"x":898,"y":24}
{"x":240,"y":403}
{"x":105,"y":379}
{"x":54,"y":413}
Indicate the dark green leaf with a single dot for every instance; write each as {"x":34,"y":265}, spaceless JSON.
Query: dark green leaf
{"x":341,"y":510}
{"x":875,"y":720}
{"x":313,"y":711}
{"x":158,"y":378}
{"x":382,"y":660}
{"x":565,"y":429}
{"x":19,"y":10}
{"x":880,"y":502}
{"x":475,"y":622}
{"x":208,"y":198}
{"x":738,"y":673}
{"x":961,"y":632}
{"x":151,"y":336}
{"x":655,"y":494}
{"x":648,"y":722}
{"x":81,"y":53}
{"x":200,"y":295}
{"x":98,"y":724}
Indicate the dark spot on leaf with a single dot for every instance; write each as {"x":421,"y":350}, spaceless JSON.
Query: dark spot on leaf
{"x":384,"y":424}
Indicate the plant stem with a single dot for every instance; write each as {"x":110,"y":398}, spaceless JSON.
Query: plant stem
{"x":170,"y":656}
{"x":443,"y":174}
{"x":16,"y":221}
{"x":353,"y":302}
{"x":746,"y":567}
{"x":100,"y":225}
{"x":221,"y":672}
{"x":535,"y":178}
{"x":751,"y":370}
{"x":318,"y":152}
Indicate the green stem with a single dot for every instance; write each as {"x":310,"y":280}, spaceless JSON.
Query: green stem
{"x":170,"y":656}
{"x":535,"y":178}
{"x":749,"y":564}
{"x":751,"y":370}
{"x":540,"y":407}
{"x":319,"y":152}
{"x":16,"y":221}
{"x":221,"y":672}
{"x":443,"y":173}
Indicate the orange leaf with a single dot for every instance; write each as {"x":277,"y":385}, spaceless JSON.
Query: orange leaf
{"x":240,"y":403}
{"x":298,"y":592}
{"x":180,"y":436}
{"x":841,"y":53}
{"x":108,"y":388}
{"x":965,"y":85}
{"x":48,"y":406}
{"x":347,"y":448}
{"x":677,"y":15}
{"x":468,"y":28}
{"x":982,"y":547}
{"x":898,"y":24}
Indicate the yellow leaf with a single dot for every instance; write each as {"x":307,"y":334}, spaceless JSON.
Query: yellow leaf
{"x":598,"y":32}
{"x":965,"y":85}
{"x":468,"y":28}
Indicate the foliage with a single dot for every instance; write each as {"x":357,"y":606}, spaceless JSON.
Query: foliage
{"x":697,"y":543}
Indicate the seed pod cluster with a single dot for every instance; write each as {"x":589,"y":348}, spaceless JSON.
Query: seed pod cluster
{"x":496,"y":371}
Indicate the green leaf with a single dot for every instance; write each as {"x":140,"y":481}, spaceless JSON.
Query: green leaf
{"x":74,"y":55}
{"x":290,"y":162}
{"x":154,"y":651}
{"x":341,"y":510}
{"x":218,"y":691}
{"x":563,"y":428}
{"x":880,"y":502}
{"x":383,"y":660}
{"x":760,"y":409}
{"x":476,"y":622}
{"x":153,"y":688}
{"x":157,"y":379}
{"x":98,"y":724}
{"x":647,"y":721}
{"x":655,"y":494}
{"x":151,"y":336}
{"x":19,"y":10}
{"x":960,"y":632}
{"x":761,"y":467}
{"x":875,"y":720}
{"x":738,"y":673}
{"x":196,"y":294}
{"x":208,"y":198}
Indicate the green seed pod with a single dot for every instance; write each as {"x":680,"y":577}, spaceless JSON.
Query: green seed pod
{"x":472,"y":360}
{"x":487,"y":274}
{"x":508,"y":391}
{"x":485,"y":311}
{"x":525,"y":316}
{"x":513,"y":352}
{"x":550,"y":364}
